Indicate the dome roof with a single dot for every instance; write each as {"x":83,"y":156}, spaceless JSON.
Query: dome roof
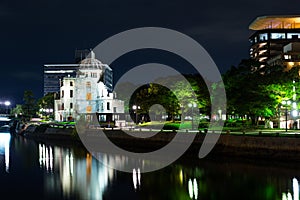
{"x":91,"y":63}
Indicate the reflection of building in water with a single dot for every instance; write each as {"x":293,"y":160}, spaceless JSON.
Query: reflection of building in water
{"x":4,"y":148}
{"x":85,"y":175}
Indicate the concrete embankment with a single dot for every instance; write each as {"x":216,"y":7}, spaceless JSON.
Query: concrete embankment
{"x":256,"y":147}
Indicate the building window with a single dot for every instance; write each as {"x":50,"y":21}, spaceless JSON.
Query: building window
{"x":293,"y":35}
{"x":71,"y":83}
{"x":71,"y":93}
{"x":115,"y":109}
{"x":277,"y":36}
{"x":88,"y":96}
{"x":62,"y":94}
{"x":71,"y":105}
{"x":62,"y":106}
{"x":263,"y":36}
{"x":108,"y":106}
{"x":89,"y":109}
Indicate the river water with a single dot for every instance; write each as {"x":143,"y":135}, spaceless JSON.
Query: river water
{"x":35,"y":170}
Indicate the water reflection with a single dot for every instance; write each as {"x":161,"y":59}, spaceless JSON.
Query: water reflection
{"x":288,"y":195}
{"x":70,"y":172}
{"x":193,"y":189}
{"x":83,"y":176}
{"x":4,"y":148}
{"x":136,"y":178}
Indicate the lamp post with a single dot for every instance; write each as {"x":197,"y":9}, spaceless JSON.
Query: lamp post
{"x":192,"y":105}
{"x":135,"y":108}
{"x":286,"y":104}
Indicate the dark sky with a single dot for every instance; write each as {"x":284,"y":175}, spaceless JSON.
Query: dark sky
{"x":34,"y":33}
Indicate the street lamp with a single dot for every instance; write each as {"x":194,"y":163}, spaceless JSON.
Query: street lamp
{"x":192,"y":105}
{"x":286,"y":104}
{"x":7,"y":104}
{"x":135,"y":108}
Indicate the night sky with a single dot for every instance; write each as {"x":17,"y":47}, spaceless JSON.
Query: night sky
{"x":34,"y":33}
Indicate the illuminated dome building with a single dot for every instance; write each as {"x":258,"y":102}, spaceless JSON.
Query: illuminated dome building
{"x":88,"y":94}
{"x":276,"y":40}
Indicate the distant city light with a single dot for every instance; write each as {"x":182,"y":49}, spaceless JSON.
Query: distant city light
{"x":7,"y":103}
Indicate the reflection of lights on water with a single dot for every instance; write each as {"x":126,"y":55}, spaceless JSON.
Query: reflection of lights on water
{"x":4,"y":143}
{"x":46,"y":157}
{"x":288,"y":196}
{"x":136,"y":177}
{"x":296,"y":189}
{"x":193,"y":188}
{"x":90,"y":183}
{"x":181,"y":176}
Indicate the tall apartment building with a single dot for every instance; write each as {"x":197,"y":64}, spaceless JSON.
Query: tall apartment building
{"x":275,"y":40}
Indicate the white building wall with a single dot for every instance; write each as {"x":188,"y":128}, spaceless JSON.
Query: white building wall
{"x":90,"y":95}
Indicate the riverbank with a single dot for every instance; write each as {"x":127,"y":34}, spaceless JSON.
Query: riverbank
{"x":260,"y":146}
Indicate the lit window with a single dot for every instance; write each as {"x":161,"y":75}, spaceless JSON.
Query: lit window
{"x":277,"y":35}
{"x":88,"y":96}
{"x":89,"y":109}
{"x":263,"y":36}
{"x":293,"y":35}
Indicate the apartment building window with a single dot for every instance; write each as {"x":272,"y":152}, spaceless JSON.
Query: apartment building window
{"x":108,"y":106}
{"x":71,"y":83}
{"x":71,"y":93}
{"x":71,"y":105}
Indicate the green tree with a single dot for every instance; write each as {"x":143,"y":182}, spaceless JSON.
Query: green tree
{"x":29,"y":106}
{"x":46,"y":103}
{"x":255,"y":91}
{"x":17,"y":110}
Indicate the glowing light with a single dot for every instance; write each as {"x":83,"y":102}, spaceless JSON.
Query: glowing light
{"x":190,"y":187}
{"x":262,"y":51}
{"x":195,"y":189}
{"x":289,"y":196}
{"x":139,"y":176}
{"x":262,"y":44}
{"x":296,"y":189}
{"x":7,"y":103}
{"x":181,"y":176}
{"x":284,"y":196}
{"x":262,"y":59}
{"x":294,"y":113}
{"x":134,"y":179}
